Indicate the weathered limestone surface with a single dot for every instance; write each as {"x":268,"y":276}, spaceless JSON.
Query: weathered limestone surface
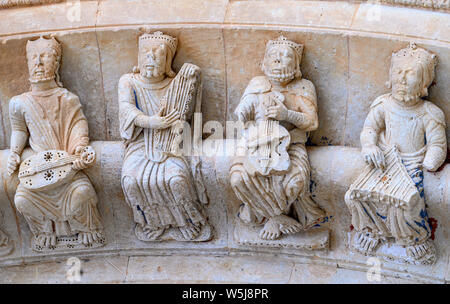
{"x":330,"y":181}
{"x":347,"y":46}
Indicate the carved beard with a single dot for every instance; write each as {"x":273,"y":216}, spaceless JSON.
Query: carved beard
{"x":285,"y":75}
{"x":42,"y":78}
{"x":151,"y":73}
{"x":407,"y":98}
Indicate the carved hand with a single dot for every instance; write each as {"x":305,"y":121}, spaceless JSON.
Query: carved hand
{"x":87,"y":157}
{"x":374,"y":156}
{"x":278,"y":111}
{"x":427,"y":164}
{"x":162,"y":122}
{"x":13,"y":162}
{"x":192,"y":69}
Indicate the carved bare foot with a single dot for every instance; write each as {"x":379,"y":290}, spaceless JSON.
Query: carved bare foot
{"x":3,"y":239}
{"x":190,"y":231}
{"x":418,"y":251}
{"x":287,"y":224}
{"x":245,"y":214}
{"x":46,"y":239}
{"x":270,"y":231}
{"x":151,"y":233}
{"x":87,"y":238}
{"x":365,"y":242}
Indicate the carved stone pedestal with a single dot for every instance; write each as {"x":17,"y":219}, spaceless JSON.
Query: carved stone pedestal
{"x":205,"y":234}
{"x":389,"y":251}
{"x":314,"y":239}
{"x":64,"y":243}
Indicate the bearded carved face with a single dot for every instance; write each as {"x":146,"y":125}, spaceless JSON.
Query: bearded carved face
{"x":152,"y":60}
{"x":42,"y":64}
{"x":406,"y":80}
{"x":279,"y":63}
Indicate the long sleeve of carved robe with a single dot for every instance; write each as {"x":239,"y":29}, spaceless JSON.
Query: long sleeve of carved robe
{"x":128,"y":109}
{"x":373,"y":125}
{"x":245,"y":109}
{"x":436,"y":140}
{"x":305,"y":115}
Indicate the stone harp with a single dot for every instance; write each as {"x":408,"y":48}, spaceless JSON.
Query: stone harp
{"x":393,"y":186}
{"x":181,"y":97}
{"x":48,"y":169}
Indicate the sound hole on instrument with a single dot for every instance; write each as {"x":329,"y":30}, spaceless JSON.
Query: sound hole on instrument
{"x":48,"y":156}
{"x":48,"y":175}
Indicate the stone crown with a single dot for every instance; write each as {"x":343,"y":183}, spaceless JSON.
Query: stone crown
{"x":170,"y":41}
{"x":417,"y":53}
{"x":43,"y":42}
{"x":284,"y":41}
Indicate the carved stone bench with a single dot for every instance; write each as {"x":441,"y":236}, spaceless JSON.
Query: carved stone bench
{"x":333,"y":170}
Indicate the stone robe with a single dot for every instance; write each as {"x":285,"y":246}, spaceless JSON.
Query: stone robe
{"x":55,"y":121}
{"x":419,"y":134}
{"x":160,"y":189}
{"x":268,"y":196}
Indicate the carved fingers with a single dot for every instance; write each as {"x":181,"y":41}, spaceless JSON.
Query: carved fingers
{"x":87,"y":238}
{"x":79,"y":150}
{"x":46,"y":240}
{"x":374,"y":156}
{"x":78,"y":164}
{"x":171,"y":117}
{"x":163,"y":122}
{"x":13,"y":162}
{"x":87,"y":157}
{"x":278,"y":111}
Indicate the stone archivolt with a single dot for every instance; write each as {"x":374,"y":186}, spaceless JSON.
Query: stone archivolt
{"x":335,"y":168}
{"x":16,"y":3}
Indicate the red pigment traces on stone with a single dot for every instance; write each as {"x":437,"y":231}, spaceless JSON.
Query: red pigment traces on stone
{"x":433,"y":224}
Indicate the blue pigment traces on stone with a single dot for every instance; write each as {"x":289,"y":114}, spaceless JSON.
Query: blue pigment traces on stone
{"x":365,"y":210}
{"x":383,"y":217}
{"x":135,"y":100}
{"x":142,"y":212}
{"x":412,"y":227}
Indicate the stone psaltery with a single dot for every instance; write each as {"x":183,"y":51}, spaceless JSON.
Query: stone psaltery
{"x":391,"y":186}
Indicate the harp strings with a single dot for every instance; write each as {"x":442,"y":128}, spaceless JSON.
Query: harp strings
{"x":178,"y":98}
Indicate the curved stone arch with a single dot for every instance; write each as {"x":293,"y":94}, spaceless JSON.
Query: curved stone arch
{"x":346,"y":57}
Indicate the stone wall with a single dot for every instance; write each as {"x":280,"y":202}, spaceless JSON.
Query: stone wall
{"x":347,"y":52}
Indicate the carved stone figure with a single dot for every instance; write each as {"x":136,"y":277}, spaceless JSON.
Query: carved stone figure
{"x":164,"y":193}
{"x":402,"y":135}
{"x":272,"y":179}
{"x":56,"y":198}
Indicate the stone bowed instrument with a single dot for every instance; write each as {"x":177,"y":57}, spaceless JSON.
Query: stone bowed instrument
{"x":48,"y":169}
{"x":266,"y":142}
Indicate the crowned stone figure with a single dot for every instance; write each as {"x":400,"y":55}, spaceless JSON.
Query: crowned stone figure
{"x":272,"y":179}
{"x":164,"y":192}
{"x":56,"y":198}
{"x":402,"y":135}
